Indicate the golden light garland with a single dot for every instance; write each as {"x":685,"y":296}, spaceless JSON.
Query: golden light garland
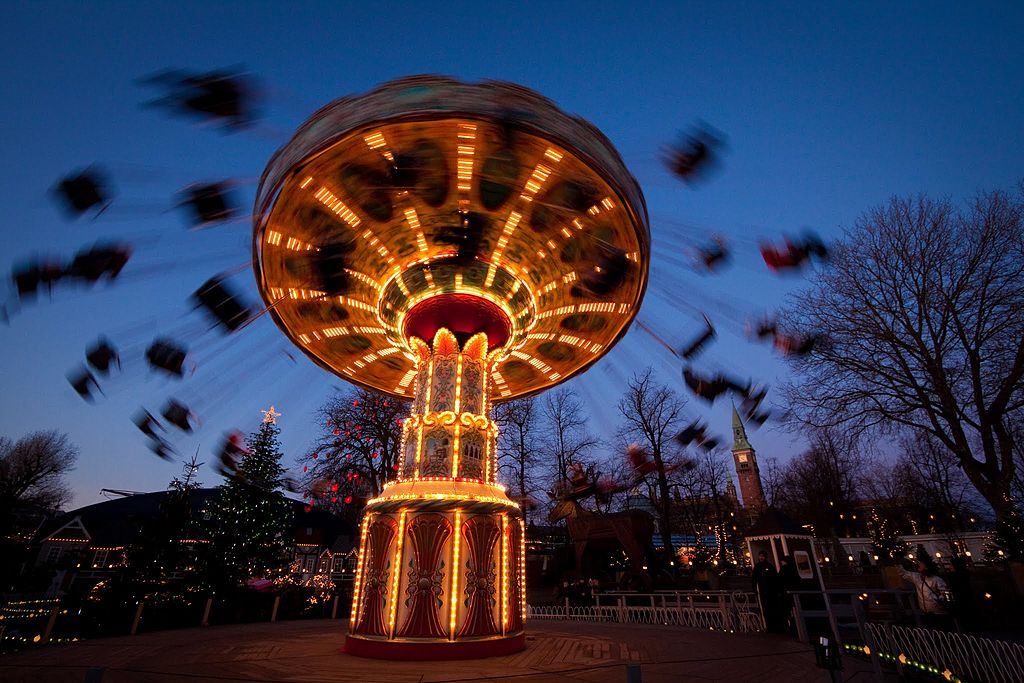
{"x":357,"y":586}
{"x":393,"y":607}
{"x":454,"y":606}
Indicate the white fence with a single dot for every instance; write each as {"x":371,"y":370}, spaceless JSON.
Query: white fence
{"x":967,"y":658}
{"x":721,"y":611}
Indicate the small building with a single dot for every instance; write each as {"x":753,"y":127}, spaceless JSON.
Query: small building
{"x":89,"y":544}
{"x":778,"y":536}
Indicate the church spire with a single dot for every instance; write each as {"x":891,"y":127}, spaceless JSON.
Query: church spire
{"x":739,"y":434}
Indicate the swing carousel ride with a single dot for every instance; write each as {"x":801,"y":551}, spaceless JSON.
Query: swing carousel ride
{"x":451,"y":245}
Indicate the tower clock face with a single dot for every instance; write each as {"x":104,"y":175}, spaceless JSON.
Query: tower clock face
{"x":742,"y":457}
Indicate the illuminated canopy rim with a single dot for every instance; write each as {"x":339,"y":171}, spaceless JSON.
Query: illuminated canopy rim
{"x":545,"y":200}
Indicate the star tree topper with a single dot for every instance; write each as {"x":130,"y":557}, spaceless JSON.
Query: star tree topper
{"x":270,"y":415}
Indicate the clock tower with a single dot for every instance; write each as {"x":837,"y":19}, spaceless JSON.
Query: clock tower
{"x":747,"y":471}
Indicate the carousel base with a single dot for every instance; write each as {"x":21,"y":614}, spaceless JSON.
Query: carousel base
{"x":423,"y":650}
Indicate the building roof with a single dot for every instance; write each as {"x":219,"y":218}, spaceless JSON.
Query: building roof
{"x":117,"y":522}
{"x":772,"y":522}
{"x":739,"y":433}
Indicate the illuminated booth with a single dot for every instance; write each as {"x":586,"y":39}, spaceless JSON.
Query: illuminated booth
{"x":450,"y":244}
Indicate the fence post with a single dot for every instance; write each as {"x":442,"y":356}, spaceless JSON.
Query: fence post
{"x":798,"y":616}
{"x":49,"y":625}
{"x":726,"y":622}
{"x":622,"y":609}
{"x":831,"y":616}
{"x":876,"y":661}
{"x":206,"y":612}
{"x":138,"y":616}
{"x":858,"y":613}
{"x":273,"y":613}
{"x":334,"y":609}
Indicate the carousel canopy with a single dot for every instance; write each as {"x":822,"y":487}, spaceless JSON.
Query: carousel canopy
{"x":433,"y":203}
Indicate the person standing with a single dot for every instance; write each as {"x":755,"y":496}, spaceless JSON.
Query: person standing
{"x":789,"y":580}
{"x":932,"y":593}
{"x":765,"y":580}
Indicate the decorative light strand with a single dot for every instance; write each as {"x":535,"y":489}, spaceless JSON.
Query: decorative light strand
{"x":454,"y":594}
{"x":357,"y":587}
{"x":393,"y":610}
{"x":504,"y":572}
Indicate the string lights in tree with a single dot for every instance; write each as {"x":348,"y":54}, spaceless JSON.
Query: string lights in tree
{"x":886,"y":542}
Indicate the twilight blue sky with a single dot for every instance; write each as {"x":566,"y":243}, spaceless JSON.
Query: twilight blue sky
{"x":829,"y":110}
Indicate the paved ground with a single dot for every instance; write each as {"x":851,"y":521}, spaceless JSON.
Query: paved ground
{"x":309,"y":652}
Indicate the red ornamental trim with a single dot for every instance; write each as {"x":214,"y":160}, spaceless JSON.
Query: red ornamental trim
{"x":427,"y":535}
{"x":481,"y":534}
{"x":380,"y":536}
{"x":515,"y":537}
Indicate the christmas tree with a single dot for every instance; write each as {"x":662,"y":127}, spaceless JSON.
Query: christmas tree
{"x":250,"y":521}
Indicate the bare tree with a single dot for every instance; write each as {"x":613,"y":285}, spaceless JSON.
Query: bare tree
{"x":822,"y":486}
{"x":652,"y":414}
{"x":703,"y":506}
{"x":937,"y":483}
{"x":771,"y":480}
{"x":519,"y":426}
{"x":1017,"y":484}
{"x":358,"y":449}
{"x":566,"y":435}
{"x":924,"y":315}
{"x":32,"y":473}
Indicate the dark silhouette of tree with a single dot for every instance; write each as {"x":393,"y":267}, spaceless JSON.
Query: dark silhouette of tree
{"x":923,"y":311}
{"x":937,"y":485}
{"x":703,"y":506}
{"x":518,"y":435}
{"x":32,"y":473}
{"x":357,"y":452}
{"x":652,"y":414}
{"x":566,"y":436}
{"x":771,"y":481}
{"x":167,"y":552}
{"x":822,"y":485}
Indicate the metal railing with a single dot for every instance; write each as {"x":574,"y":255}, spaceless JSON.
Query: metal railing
{"x":718,"y":610}
{"x":964,"y":657}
